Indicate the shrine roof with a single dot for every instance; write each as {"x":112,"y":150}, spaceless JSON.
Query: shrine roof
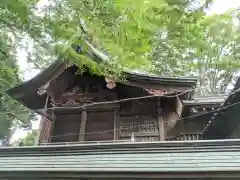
{"x":205,"y":101}
{"x":190,"y":81}
{"x":165,"y":159}
{"x":27,"y":91}
{"x":225,"y":120}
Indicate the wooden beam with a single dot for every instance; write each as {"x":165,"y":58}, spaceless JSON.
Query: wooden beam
{"x":116,"y":125}
{"x":140,"y":134}
{"x":83,"y":125}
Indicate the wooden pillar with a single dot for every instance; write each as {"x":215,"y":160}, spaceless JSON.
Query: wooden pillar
{"x":39,"y":133}
{"x":161,"y":127}
{"x":161,"y":119}
{"x":116,"y":125}
{"x":42,"y":123}
{"x":83,"y":125}
{"x":52,"y":127}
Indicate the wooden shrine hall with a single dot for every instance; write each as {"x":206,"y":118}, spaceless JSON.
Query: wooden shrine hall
{"x":77,"y":107}
{"x":142,"y":127}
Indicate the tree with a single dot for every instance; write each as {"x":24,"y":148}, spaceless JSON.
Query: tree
{"x":175,"y":36}
{"x":123,"y":28}
{"x":8,"y":77}
{"x":13,"y":22}
{"x":28,"y":140}
{"x":213,"y":55}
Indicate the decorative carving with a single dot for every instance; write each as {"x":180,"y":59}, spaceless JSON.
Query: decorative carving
{"x":45,"y":131}
{"x":156,"y":92}
{"x":73,"y":98}
{"x":110,"y":82}
{"x":42,"y":90}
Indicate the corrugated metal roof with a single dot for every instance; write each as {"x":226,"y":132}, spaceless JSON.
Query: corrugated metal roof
{"x":189,"y":156}
{"x":125,"y":161}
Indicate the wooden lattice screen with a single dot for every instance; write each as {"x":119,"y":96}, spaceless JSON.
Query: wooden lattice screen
{"x":145,"y":128}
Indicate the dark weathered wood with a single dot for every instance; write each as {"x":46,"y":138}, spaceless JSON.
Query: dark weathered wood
{"x":179,"y":106}
{"x":84,"y":108}
{"x":83,"y":126}
{"x":39,"y":133}
{"x":52,"y":127}
{"x":66,"y":128}
{"x":116,"y":125}
{"x":161,"y":119}
{"x":100,"y":126}
{"x":94,"y":107}
{"x":161,"y":127}
{"x":140,"y":134}
{"x":46,"y":126}
{"x":43,"y":132}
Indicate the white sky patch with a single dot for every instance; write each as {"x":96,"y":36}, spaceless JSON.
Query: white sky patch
{"x":219,"y":6}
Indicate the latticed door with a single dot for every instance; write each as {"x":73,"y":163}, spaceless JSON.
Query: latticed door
{"x":144,"y":128}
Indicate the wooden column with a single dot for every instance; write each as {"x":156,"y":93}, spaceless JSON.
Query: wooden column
{"x":116,"y":125}
{"x":52,"y":127}
{"x":83,"y":125}
{"x":161,"y":119}
{"x":161,"y":127}
{"x":42,"y":123}
{"x":39,"y":133}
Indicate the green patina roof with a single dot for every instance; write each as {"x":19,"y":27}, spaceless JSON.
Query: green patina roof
{"x":165,"y":157}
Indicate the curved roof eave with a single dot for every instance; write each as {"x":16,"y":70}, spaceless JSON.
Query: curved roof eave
{"x":31,"y":86}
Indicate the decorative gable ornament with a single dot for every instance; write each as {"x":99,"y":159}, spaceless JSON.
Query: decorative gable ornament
{"x":111,"y":84}
{"x":156,"y":92}
{"x":42,"y":90}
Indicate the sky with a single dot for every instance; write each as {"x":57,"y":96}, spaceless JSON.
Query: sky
{"x":219,"y":6}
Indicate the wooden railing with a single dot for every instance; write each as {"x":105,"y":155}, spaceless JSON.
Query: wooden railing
{"x":185,"y":137}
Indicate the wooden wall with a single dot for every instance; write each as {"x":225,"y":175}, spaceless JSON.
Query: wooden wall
{"x":150,"y":119}
{"x":100,"y":126}
{"x":66,"y":127}
{"x":138,"y":119}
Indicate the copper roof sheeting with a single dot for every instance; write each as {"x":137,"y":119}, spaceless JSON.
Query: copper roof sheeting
{"x":168,"y":158}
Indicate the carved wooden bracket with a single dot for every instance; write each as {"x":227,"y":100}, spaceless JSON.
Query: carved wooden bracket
{"x":111,"y":84}
{"x":156,"y":92}
{"x":42,"y":90}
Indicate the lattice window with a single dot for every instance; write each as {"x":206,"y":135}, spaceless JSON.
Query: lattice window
{"x":145,"y":128}
{"x":128,"y":125}
{"x":148,"y":124}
